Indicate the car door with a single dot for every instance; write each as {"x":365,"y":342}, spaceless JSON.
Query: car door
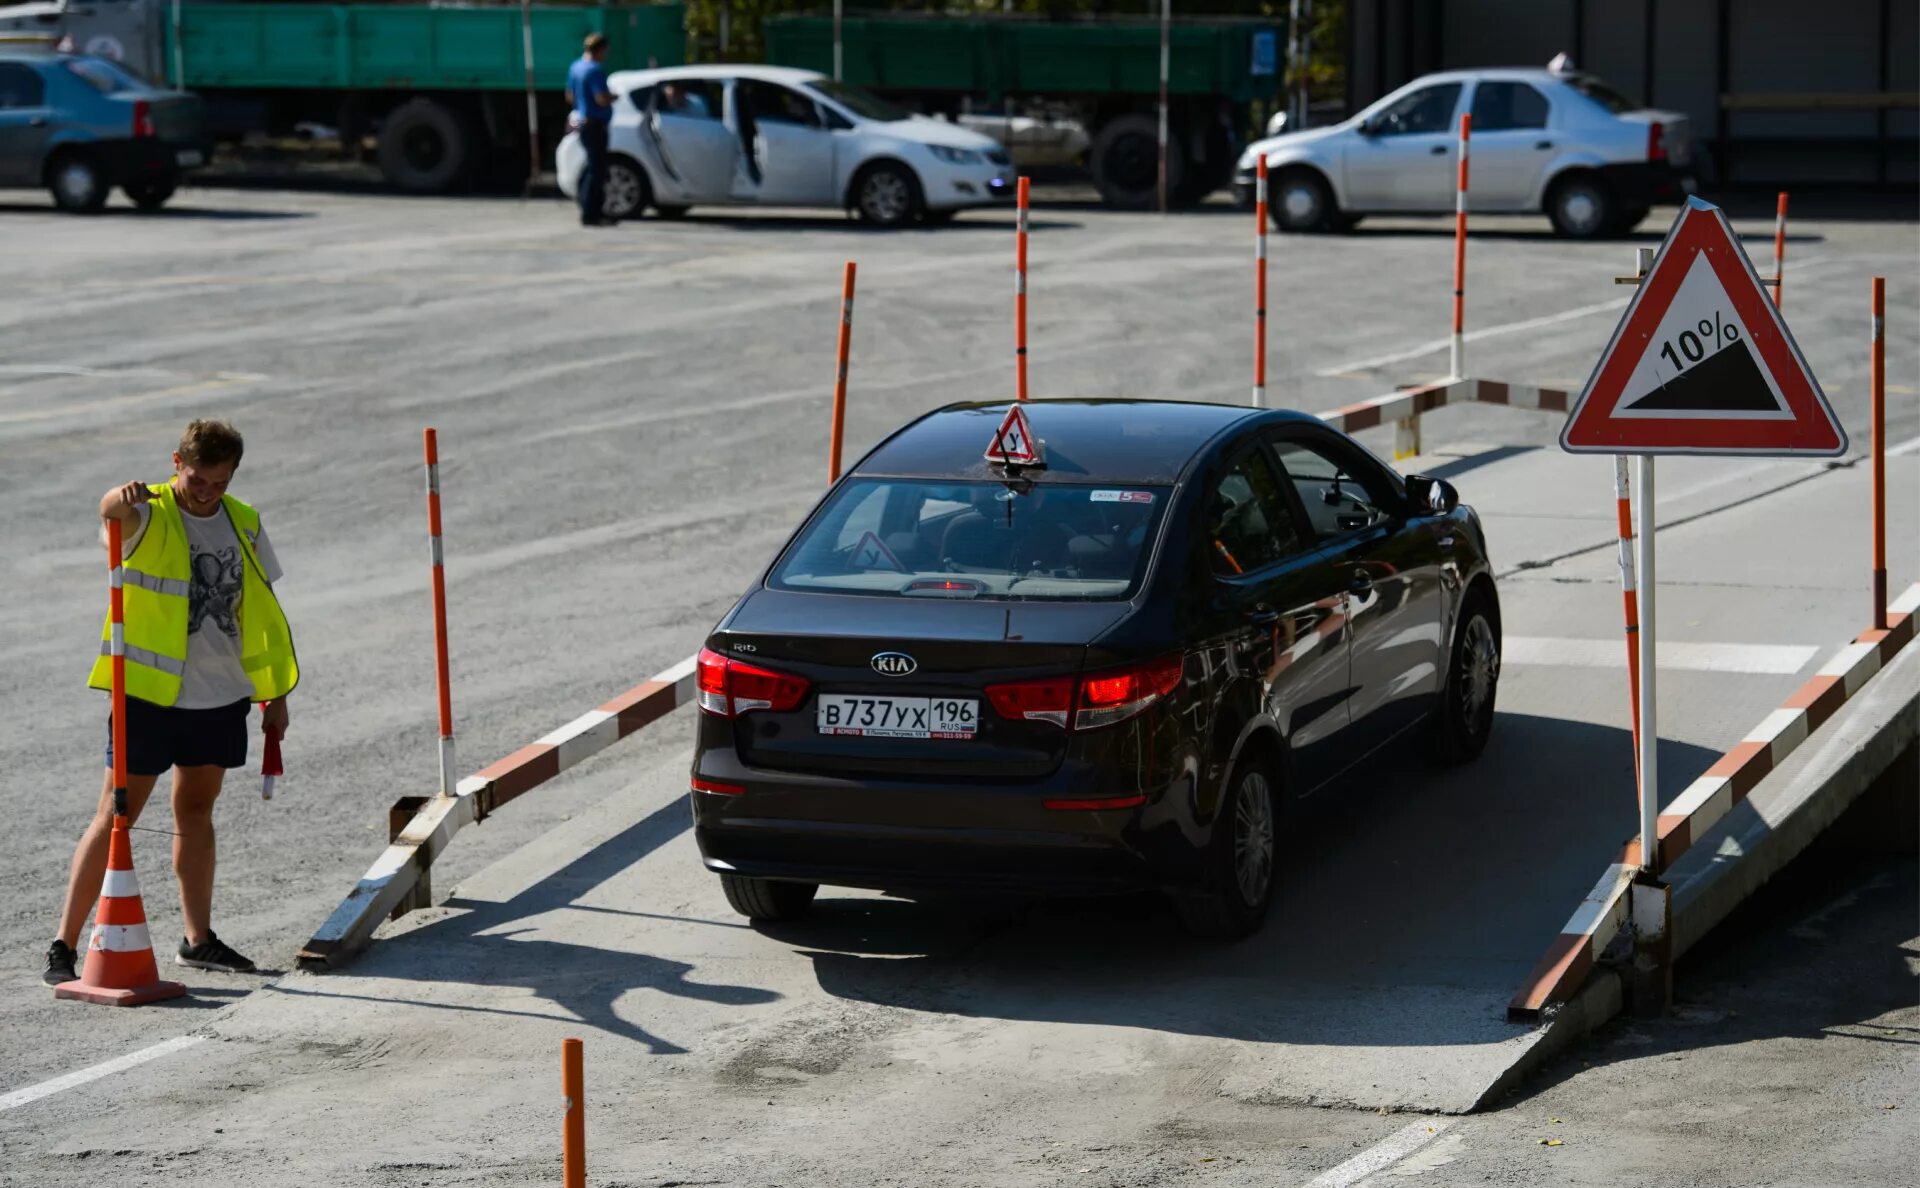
{"x":680,"y":124}
{"x":25,"y":123}
{"x":791,"y":161}
{"x":1275,"y":641}
{"x":1511,"y":144}
{"x":1389,"y":568}
{"x":1402,"y":157}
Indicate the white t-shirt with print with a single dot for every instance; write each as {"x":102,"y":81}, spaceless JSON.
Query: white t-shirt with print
{"x":214,"y":676}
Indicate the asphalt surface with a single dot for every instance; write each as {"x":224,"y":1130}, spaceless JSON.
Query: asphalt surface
{"x":630,"y":421}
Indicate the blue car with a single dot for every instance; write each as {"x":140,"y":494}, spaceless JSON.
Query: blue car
{"x":80,"y":125}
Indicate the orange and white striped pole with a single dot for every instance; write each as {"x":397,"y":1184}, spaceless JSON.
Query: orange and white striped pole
{"x":840,"y":375}
{"x":1020,"y":292}
{"x":1260,"y":283}
{"x":1878,"y":382}
{"x":439,"y":614}
{"x":1458,"y":357}
{"x":1779,"y":247}
{"x":117,"y":653}
{"x":1630,"y":594}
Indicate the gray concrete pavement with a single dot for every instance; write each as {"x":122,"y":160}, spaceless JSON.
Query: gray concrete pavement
{"x":631,"y":420}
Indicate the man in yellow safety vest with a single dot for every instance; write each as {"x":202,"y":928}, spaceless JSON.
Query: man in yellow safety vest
{"x":205,"y":638}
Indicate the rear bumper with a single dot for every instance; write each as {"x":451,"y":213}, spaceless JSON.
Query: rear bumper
{"x":930,"y":836}
{"x":1648,"y":183}
{"x":134,"y":160}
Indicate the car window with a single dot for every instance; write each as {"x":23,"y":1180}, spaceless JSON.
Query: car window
{"x":924,"y":538}
{"x":773,"y":104}
{"x":21,"y":86}
{"x":1429,"y":109}
{"x":1336,"y":499}
{"x":106,"y":77}
{"x":861,"y":103}
{"x":1249,"y":522}
{"x":1502,"y":106}
{"x":1600,"y":93}
{"x":690,"y":98}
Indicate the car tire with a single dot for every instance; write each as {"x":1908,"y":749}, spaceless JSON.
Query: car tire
{"x":627,"y":191}
{"x":424,"y":147}
{"x":1303,"y":202}
{"x":887,"y":194}
{"x":151,"y":194}
{"x":1465,"y":720}
{"x":768,"y":899}
{"x":1581,"y":207}
{"x":1125,"y":161}
{"x":77,"y":182}
{"x":1241,"y":860}
{"x":672,"y":212}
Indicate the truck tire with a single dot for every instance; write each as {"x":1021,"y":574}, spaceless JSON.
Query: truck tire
{"x":77,"y":183}
{"x":424,"y":147}
{"x":1208,"y":165}
{"x":1125,"y":160}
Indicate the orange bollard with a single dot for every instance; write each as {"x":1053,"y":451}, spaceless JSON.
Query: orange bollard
{"x":1260,"y":284}
{"x":120,"y":969}
{"x":573,"y":1134}
{"x":1779,"y":248}
{"x":1458,"y":357}
{"x":439,"y":614}
{"x":1020,"y":293}
{"x":1630,"y":594}
{"x":1878,"y":382}
{"x":840,"y":376}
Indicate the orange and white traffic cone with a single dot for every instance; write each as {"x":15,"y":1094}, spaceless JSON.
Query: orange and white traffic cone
{"x":120,"y":969}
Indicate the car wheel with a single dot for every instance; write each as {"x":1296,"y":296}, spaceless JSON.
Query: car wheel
{"x":672,"y":212}
{"x":1581,"y":208}
{"x":1240,"y":862}
{"x":1473,"y":680}
{"x":1302,"y":201}
{"x":887,"y":195}
{"x":626,"y":192}
{"x":768,"y":899}
{"x":77,"y":184}
{"x":1125,"y":161}
{"x":423,"y":147}
{"x":151,"y":194}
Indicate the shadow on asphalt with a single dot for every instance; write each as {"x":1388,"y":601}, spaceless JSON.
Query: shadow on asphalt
{"x":164,"y":214}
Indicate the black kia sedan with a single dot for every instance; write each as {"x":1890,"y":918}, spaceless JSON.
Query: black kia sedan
{"x":1117,"y":664}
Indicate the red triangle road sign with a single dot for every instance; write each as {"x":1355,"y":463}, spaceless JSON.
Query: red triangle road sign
{"x":1013,"y":442}
{"x":1701,"y":362}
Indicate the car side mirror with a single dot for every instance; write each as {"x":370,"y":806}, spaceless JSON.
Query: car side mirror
{"x":1369,"y":127}
{"x":1431,"y":496}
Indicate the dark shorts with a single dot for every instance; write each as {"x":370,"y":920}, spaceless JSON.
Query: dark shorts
{"x":160,"y":737}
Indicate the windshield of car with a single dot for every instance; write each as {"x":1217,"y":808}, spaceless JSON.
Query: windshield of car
{"x":105,"y":77}
{"x":919,"y":538}
{"x":1601,"y":93}
{"x":861,"y":103}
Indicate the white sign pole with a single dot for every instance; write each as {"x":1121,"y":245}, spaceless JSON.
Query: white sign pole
{"x":1649,"y":725}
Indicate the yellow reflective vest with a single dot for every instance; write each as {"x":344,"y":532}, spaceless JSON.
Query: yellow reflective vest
{"x":154,"y":599}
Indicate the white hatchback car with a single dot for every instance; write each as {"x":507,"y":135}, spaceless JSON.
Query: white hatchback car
{"x":1559,"y":142}
{"x":772,"y":136}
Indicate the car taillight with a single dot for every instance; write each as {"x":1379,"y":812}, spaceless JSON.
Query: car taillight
{"x":1656,"y":142}
{"x":1117,"y":694}
{"x":1046,"y":700}
{"x":1103,"y":698}
{"x":729,"y":688}
{"x":716,"y":787}
{"x":143,"y":119}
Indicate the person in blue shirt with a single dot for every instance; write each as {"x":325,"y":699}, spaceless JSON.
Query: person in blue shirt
{"x":592,"y":105}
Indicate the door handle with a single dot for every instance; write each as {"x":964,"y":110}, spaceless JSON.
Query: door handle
{"x":37,"y":122}
{"x":1438,"y":150}
{"x":1543,"y":144}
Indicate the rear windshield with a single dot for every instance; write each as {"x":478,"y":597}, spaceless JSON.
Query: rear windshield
{"x":918,"y":538}
{"x":1601,"y":93}
{"x":106,"y":77}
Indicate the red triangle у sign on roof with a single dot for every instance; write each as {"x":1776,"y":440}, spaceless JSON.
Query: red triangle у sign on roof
{"x":1013,"y":442}
{"x":1702,"y":362}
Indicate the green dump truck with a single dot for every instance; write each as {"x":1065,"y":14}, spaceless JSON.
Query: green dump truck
{"x":1019,"y":78}
{"x":442,"y":88}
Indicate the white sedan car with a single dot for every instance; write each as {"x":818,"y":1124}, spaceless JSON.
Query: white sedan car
{"x":1559,"y":142}
{"x":771,"y":136}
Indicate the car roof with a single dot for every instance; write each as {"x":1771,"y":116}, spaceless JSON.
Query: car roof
{"x":788,"y":75}
{"x":1084,"y":441}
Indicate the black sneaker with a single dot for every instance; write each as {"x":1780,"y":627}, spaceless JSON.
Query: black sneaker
{"x":60,"y":958}
{"x":212,"y":953}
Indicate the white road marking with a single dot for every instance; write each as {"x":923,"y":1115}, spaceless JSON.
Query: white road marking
{"x":1906,"y":447}
{"x":1382,"y":1155}
{"x":1775,"y":659}
{"x":1441,"y":344}
{"x":20,"y":1097}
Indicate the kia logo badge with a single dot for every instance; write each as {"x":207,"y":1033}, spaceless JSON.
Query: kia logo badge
{"x":894,"y":664}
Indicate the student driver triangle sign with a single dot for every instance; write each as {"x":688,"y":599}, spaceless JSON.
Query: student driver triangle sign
{"x":1013,"y":442}
{"x":1702,"y":363}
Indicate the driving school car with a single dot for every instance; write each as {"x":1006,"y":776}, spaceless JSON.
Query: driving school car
{"x":1111,"y":656}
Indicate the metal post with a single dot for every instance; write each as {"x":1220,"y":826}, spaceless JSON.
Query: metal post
{"x":726,"y":28}
{"x":533,"y":110}
{"x":1649,"y":723}
{"x":1294,"y":66}
{"x":179,"y":54}
{"x":573,"y":1132}
{"x":441,"y":679}
{"x":840,"y":375}
{"x":1878,"y":380}
{"x":1166,"y":40}
{"x":837,"y":6}
{"x":1458,"y":354}
{"x":1260,"y":283}
{"x":1306,"y":68}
